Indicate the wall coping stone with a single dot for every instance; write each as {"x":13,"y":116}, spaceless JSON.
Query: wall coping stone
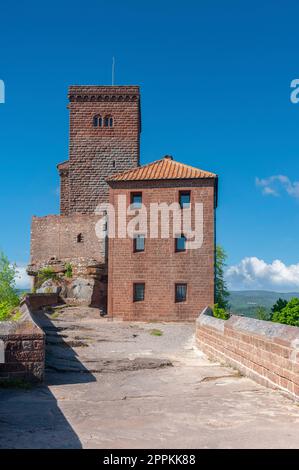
{"x":24,"y":326}
{"x":276,"y":332}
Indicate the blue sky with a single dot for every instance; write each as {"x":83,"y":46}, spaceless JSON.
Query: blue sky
{"x":215,"y":80}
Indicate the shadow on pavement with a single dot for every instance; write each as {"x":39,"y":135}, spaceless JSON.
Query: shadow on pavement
{"x":32,"y":419}
{"x":62,"y":363}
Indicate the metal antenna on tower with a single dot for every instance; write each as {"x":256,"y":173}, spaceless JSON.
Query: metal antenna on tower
{"x":113,"y":69}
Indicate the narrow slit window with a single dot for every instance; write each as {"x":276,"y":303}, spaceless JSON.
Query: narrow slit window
{"x":80,"y":238}
{"x":180,"y":292}
{"x":136,"y":200}
{"x":97,"y":121}
{"x":108,"y":121}
{"x":138,"y":292}
{"x":185,"y":199}
{"x":180,"y":243}
{"x":139,"y":243}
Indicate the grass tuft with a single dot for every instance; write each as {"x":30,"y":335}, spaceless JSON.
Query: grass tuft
{"x":156,"y":332}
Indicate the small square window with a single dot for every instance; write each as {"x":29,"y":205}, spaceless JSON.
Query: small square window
{"x":180,"y":292}
{"x":185,"y":198}
{"x":139,"y":243}
{"x":138,"y":292}
{"x":136,"y":200}
{"x":180,"y":243}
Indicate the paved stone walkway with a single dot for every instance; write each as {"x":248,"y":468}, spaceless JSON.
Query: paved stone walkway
{"x":120,"y":385}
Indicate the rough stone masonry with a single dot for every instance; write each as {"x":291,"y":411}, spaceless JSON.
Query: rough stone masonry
{"x":105,"y":126}
{"x":103,"y":165}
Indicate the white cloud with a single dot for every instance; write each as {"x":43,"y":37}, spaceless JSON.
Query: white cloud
{"x":23,"y":281}
{"x":274,"y":185}
{"x":254,"y":273}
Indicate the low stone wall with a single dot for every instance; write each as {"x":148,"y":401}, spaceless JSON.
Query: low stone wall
{"x":264,"y":351}
{"x":24,"y":348}
{"x":36,"y":301}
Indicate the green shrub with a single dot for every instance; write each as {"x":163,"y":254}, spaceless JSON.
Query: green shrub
{"x":45,"y":274}
{"x":220,"y":312}
{"x":68,"y":270}
{"x":289,"y":315}
{"x":9,"y":298}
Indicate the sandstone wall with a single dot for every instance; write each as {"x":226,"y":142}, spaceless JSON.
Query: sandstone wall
{"x":66,"y":238}
{"x":97,"y":152}
{"x":24,"y":348}
{"x":265,"y":351}
{"x":159,"y":266}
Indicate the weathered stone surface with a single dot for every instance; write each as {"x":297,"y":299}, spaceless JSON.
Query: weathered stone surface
{"x":262,"y":350}
{"x":24,"y":347}
{"x":81,"y":289}
{"x":196,"y":403}
{"x":49,"y":287}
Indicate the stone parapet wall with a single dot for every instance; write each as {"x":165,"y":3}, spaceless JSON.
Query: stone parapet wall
{"x":37,"y":301}
{"x":264,"y":351}
{"x":24,"y":348}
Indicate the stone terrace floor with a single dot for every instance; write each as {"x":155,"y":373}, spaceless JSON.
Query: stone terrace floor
{"x":116,"y":385}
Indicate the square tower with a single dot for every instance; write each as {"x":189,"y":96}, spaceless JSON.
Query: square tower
{"x":105,"y":127}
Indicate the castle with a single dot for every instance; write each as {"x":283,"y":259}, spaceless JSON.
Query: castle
{"x":130,"y":278}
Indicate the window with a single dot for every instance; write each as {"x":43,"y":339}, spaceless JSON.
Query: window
{"x":138,"y":243}
{"x":98,"y":121}
{"x":79,"y":238}
{"x":180,"y":243}
{"x":138,"y":292}
{"x":184,"y":199}
{"x":180,"y":292}
{"x":136,"y":200}
{"x":108,"y":121}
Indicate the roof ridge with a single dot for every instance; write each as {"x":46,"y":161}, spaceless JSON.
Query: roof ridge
{"x":133,"y":169}
{"x":166,"y":168}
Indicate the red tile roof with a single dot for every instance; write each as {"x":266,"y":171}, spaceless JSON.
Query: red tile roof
{"x":164,"y":169}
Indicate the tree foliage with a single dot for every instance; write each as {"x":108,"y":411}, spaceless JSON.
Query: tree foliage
{"x":220,"y":312}
{"x":221,"y":290}
{"x":279,"y":305}
{"x":8,"y":295}
{"x":289,"y":315}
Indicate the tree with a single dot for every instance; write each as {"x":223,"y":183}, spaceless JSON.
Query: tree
{"x":262,"y":314}
{"x":280,"y":304}
{"x":289,"y":315}
{"x":8,"y":295}
{"x":221,"y":290}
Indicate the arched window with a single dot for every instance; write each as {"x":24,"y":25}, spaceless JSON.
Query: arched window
{"x":108,"y":121}
{"x":97,"y":121}
{"x":79,"y":238}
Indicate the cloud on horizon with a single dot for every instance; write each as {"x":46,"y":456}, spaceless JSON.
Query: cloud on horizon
{"x":275,"y":185}
{"x":255,"y":274}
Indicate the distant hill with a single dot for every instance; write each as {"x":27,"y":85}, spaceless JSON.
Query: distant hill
{"x":245,"y":302}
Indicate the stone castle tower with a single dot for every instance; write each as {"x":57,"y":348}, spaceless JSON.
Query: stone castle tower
{"x":104,"y":139}
{"x":105,"y":125}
